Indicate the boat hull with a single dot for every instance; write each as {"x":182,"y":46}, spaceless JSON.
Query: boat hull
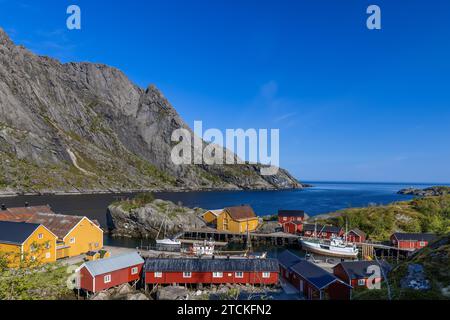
{"x":316,"y":248}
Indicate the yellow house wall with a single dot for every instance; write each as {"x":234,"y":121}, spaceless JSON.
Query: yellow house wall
{"x":236,"y":226}
{"x":17,"y":252}
{"x":11,"y":253}
{"x":41,"y":253}
{"x":88,"y":237}
{"x":209,"y":217}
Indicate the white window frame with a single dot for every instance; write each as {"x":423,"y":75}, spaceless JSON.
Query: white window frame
{"x":107,"y":278}
{"x":134,"y":270}
{"x":48,"y":255}
{"x":217,"y":275}
{"x":239,"y":274}
{"x":158,"y":274}
{"x":72,"y":240}
{"x":266,"y":275}
{"x":361,"y":282}
{"x":422,"y":243}
{"x":284,"y":218}
{"x":187,"y":275}
{"x":40,"y":236}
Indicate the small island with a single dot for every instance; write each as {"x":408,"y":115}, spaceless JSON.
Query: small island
{"x":427,"y":192}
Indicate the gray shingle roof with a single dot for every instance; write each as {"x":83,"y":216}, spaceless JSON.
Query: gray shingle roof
{"x":321,"y":228}
{"x":16,"y":232}
{"x":358,"y":269}
{"x":415,"y":236}
{"x":314,"y":274}
{"x":114,"y":263}
{"x":287,"y":259}
{"x":210,"y":265}
{"x":291,"y":213}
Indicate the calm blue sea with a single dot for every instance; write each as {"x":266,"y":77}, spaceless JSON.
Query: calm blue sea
{"x":324,"y":197}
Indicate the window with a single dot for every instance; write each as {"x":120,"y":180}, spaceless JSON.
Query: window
{"x":284,"y":218}
{"x":217,"y":274}
{"x":33,"y":258}
{"x":96,"y":244}
{"x":266,"y":275}
{"x":47,"y":255}
{"x":33,"y":248}
{"x":107,"y":278}
{"x":158,"y":275}
{"x":239,"y":274}
{"x":134,"y":270}
{"x":422,"y":243}
{"x":40,"y":236}
{"x":72,"y":240}
{"x":187,"y":274}
{"x":48,"y":245}
{"x":361,"y":282}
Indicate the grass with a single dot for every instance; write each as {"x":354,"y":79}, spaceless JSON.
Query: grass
{"x":430,"y":214}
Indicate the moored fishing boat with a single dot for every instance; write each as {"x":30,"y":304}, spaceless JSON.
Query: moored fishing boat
{"x":336,"y":248}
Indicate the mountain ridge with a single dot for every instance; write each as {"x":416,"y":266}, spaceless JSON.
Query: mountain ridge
{"x":85,"y":127}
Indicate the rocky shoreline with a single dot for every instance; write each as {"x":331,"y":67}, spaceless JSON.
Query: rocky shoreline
{"x":427,"y":192}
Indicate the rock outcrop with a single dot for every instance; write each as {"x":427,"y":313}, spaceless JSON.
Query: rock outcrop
{"x":158,"y":216}
{"x":84,"y":127}
{"x":427,"y":192}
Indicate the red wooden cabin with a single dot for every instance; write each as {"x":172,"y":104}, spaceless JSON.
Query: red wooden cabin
{"x":99,"y":275}
{"x":412,"y":240}
{"x":291,"y":215}
{"x":211,"y":271}
{"x":320,"y":231}
{"x":356,"y":236}
{"x":358,"y":273}
{"x":311,"y":280}
{"x":293,"y":227}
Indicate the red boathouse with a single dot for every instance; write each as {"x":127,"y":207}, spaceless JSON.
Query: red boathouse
{"x":311,"y":280}
{"x":356,"y":236}
{"x":412,"y":240}
{"x":210,"y":271}
{"x":99,"y":275}
{"x":357,"y":273}
{"x":320,"y":231}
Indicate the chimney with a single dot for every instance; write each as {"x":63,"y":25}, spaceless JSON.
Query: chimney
{"x":3,"y":207}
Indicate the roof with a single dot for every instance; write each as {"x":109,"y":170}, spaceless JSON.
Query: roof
{"x":114,"y":263}
{"x":358,"y":232}
{"x":59,"y":224}
{"x":288,"y":259}
{"x":358,"y":269}
{"x":216,"y":212}
{"x":415,"y":236}
{"x":314,"y":274}
{"x":321,"y":228}
{"x":210,"y":265}
{"x":243,"y":212}
{"x":291,"y":213}
{"x":16,"y":232}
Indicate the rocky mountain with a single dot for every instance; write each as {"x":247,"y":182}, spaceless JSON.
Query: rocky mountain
{"x":80,"y":127}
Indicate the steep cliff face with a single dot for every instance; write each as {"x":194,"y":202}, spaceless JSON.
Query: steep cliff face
{"x":85,"y":127}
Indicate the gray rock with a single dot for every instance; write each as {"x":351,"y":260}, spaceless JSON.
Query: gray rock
{"x":101,"y":296}
{"x":137,"y":296}
{"x":84,"y":127}
{"x":172,"y":293}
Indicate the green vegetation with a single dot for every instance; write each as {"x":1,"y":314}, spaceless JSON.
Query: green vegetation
{"x":430,"y":214}
{"x":436,"y":263}
{"x":31,"y":281}
{"x":139,"y":201}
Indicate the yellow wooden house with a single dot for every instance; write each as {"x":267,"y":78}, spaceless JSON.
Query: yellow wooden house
{"x":211,"y":216}
{"x":76,"y":235}
{"x":237,"y":219}
{"x":26,"y":243}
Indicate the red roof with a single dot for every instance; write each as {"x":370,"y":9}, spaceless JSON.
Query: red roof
{"x":241,"y":212}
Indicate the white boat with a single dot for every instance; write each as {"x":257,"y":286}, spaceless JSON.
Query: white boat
{"x":205,"y":248}
{"x":168,"y":242}
{"x":336,"y":248}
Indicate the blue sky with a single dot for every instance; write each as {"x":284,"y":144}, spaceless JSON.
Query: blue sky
{"x":351,"y":104}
